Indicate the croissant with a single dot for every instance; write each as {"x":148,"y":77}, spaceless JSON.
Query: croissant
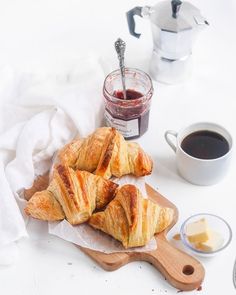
{"x":69,"y":153}
{"x":131,"y":219}
{"x":106,"y":153}
{"x":73,"y":195}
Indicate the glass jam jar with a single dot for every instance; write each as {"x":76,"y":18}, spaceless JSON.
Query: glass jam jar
{"x":129,"y":116}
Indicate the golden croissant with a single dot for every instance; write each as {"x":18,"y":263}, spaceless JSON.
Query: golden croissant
{"x":106,"y":153}
{"x":131,"y":219}
{"x":73,"y":195}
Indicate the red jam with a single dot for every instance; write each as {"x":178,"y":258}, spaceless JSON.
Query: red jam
{"x":129,"y":116}
{"x":130,"y":94}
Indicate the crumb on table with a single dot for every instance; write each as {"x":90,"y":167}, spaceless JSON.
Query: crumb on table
{"x":176,"y":237}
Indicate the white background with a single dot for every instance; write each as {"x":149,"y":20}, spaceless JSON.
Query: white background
{"x":44,"y":34}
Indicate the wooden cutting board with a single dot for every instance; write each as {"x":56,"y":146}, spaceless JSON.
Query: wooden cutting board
{"x":180,"y":269}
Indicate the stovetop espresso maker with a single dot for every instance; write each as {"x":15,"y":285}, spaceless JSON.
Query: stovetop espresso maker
{"x":175,"y":25}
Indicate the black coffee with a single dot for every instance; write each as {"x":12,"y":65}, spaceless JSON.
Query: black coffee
{"x":205,"y":145}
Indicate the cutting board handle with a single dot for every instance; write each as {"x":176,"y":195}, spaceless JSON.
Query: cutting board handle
{"x":182,"y":270}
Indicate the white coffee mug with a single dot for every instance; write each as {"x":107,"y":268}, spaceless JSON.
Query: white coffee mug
{"x":195,"y":170}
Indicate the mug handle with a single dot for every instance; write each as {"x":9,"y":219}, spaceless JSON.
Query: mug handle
{"x":168,"y":140}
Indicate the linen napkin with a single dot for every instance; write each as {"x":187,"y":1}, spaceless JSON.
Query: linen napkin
{"x":39,"y":113}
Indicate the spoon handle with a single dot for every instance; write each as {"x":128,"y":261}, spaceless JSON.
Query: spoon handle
{"x":120,"y":49}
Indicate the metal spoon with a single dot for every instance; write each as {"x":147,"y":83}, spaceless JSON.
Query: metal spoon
{"x":120,"y":49}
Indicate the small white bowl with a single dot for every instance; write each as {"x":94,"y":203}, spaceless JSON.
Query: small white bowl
{"x":216,"y":223}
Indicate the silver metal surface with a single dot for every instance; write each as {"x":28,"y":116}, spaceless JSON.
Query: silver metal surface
{"x":170,"y":71}
{"x":120,"y":49}
{"x":175,"y":25}
{"x":173,"y":40}
{"x":162,"y":16}
{"x":234,"y":275}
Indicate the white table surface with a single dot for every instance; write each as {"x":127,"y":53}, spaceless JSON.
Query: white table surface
{"x":46,"y":32}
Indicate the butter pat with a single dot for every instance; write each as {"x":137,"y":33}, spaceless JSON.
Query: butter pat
{"x":214,"y":242}
{"x":197,"y":232}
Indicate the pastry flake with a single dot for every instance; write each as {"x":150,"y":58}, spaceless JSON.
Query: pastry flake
{"x":106,"y":153}
{"x":73,"y":195}
{"x":131,"y":219}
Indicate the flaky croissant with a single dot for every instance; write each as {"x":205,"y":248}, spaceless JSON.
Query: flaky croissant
{"x":73,"y":195}
{"x":131,"y":219}
{"x":106,"y":153}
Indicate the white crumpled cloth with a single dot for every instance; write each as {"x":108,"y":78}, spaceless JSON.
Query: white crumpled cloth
{"x":39,"y":113}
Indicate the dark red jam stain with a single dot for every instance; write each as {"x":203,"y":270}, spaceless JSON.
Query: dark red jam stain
{"x":130,"y":94}
{"x":199,"y":288}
